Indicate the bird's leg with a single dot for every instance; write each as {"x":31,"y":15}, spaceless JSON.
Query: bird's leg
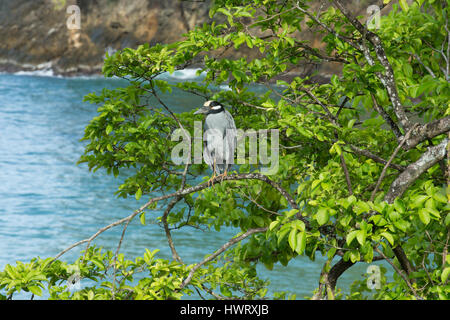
{"x":225,"y":173}
{"x":211,"y":181}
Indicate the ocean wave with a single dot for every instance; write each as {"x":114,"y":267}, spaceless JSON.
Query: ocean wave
{"x":225,"y":87}
{"x":38,"y":73}
{"x":50,"y":73}
{"x":184,"y":74}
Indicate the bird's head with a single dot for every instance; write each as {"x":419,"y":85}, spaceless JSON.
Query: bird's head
{"x":210,"y":106}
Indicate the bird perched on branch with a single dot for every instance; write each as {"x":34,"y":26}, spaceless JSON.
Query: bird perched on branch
{"x":219,"y":137}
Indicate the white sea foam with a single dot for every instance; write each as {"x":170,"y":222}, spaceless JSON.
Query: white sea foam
{"x":225,"y":87}
{"x":39,"y":73}
{"x":44,"y":70}
{"x":184,"y":74}
{"x":187,"y":74}
{"x":40,"y":70}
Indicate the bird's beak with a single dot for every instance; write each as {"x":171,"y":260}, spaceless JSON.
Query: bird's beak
{"x":201,"y":111}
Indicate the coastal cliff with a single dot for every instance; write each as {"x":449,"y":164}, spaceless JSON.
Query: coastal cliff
{"x":34,"y":34}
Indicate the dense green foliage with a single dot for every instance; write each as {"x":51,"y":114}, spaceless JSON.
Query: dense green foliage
{"x":333,"y":193}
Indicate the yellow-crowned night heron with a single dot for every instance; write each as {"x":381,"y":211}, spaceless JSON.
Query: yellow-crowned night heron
{"x":219,"y":137}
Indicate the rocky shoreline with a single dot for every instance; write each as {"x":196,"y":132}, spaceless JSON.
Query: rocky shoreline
{"x":35,"y":36}
{"x":14,"y":67}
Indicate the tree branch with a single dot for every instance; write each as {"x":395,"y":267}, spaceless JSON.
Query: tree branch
{"x":399,"y":272}
{"x":172,"y":203}
{"x":428,"y":159}
{"x":374,"y":157}
{"x":383,"y":172}
{"x":428,"y":131}
{"x":386,"y":117}
{"x":179,"y":193}
{"x":388,"y":79}
{"x":219,"y":251}
{"x":347,"y":175}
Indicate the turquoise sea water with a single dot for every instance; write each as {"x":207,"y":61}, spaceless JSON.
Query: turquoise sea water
{"x":47,"y":202}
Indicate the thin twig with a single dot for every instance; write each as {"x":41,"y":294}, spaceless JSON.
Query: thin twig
{"x":115,"y":258}
{"x":374,"y":157}
{"x":219,"y":251}
{"x":172,"y":203}
{"x":347,"y":175}
{"x":386,"y":117}
{"x":217,"y":180}
{"x":383,"y":172}
{"x":380,"y":252}
{"x":260,"y":206}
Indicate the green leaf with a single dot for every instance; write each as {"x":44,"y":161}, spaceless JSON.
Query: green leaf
{"x":293,"y":239}
{"x":98,"y":263}
{"x":350,"y":236}
{"x":404,"y":5}
{"x":407,"y":70}
{"x":388,"y":237}
{"x":399,"y":205}
{"x":445,"y":274}
{"x":322,"y":216}
{"x":301,"y":242}
{"x":138,"y":194}
{"x":109,"y":129}
{"x":402,"y":225}
{"x":351,"y":123}
{"x":447,"y":220}
{"x":361,"y":236}
{"x":361,"y":207}
{"x":368,"y":256}
{"x":259,"y":221}
{"x":282,"y":233}
{"x":224,"y":290}
{"x":424,"y":216}
{"x":142,"y":218}
{"x":355,"y":256}
{"x":417,"y":201}
{"x":35,"y":290}
{"x":273,"y":224}
{"x":438,"y":196}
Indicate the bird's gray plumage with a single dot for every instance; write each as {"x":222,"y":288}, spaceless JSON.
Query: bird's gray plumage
{"x":219,"y":137}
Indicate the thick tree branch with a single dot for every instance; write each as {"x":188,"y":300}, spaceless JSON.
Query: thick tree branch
{"x":335,"y":272}
{"x":428,"y":159}
{"x":388,"y":79}
{"x":428,"y":131}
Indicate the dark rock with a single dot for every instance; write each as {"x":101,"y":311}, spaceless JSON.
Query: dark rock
{"x":34,"y":33}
